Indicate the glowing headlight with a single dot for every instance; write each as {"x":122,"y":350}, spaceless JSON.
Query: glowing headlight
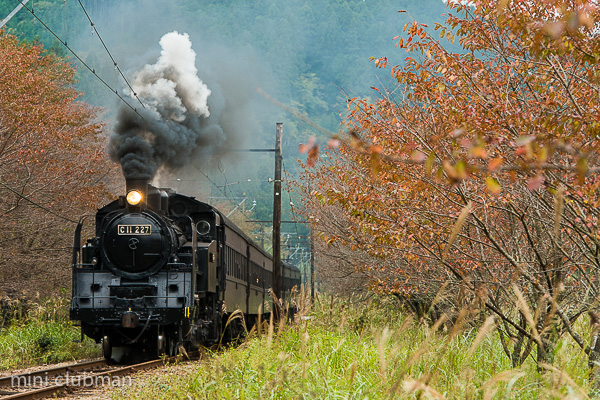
{"x":134,"y":197}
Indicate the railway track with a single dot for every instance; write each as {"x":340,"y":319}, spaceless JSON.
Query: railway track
{"x":51,"y":382}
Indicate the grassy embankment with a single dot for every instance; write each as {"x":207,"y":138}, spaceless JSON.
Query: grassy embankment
{"x":38,"y":333}
{"x":367,"y":349}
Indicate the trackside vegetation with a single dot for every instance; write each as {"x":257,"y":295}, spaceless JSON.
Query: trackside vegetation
{"x":369,"y":348}
{"x":39,"y":332}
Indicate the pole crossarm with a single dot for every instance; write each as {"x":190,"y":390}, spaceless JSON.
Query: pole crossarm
{"x":255,"y":150}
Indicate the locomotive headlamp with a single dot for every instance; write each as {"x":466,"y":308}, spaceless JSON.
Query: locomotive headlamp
{"x":134,"y":197}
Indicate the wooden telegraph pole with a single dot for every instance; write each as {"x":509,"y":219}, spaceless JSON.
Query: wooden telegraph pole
{"x":277,"y":217}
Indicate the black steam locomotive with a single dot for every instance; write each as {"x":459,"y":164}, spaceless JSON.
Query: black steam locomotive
{"x":164,"y":270}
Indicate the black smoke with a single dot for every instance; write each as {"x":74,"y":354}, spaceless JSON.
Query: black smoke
{"x":177,"y":122}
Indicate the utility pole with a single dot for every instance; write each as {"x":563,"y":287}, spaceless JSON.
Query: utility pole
{"x":277,"y":216}
{"x":262,"y":236}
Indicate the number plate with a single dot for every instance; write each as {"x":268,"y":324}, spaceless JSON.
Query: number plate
{"x":134,"y":229}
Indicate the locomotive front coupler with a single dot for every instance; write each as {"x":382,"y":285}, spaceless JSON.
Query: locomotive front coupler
{"x":129,"y":319}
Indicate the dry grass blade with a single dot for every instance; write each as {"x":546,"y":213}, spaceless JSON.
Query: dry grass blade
{"x":564,"y":377}
{"x":416,"y":356}
{"x":486,"y":328}
{"x":183,"y":352}
{"x":259,"y":320}
{"x":439,"y":295}
{"x":510,"y":376}
{"x":270,"y":330}
{"x":457,"y":227}
{"x":522,"y":304}
{"x":459,"y":323}
{"x":237,"y":314}
{"x":406,"y":324}
{"x":412,"y":385}
{"x":303,"y":303}
{"x":381,"y":341}
{"x":439,"y":323}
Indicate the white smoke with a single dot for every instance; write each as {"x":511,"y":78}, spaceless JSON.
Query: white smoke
{"x":171,"y":88}
{"x":175,"y":128}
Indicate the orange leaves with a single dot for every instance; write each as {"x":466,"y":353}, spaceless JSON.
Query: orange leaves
{"x":303,"y":148}
{"x":51,"y":152}
{"x":53,"y":137}
{"x":457,"y":172}
{"x":380,"y":62}
{"x":501,"y":124}
{"x":495,"y":163}
{"x":376,"y":151}
{"x":492,"y":185}
{"x":312,"y":149}
{"x":478,"y":152}
{"x":535,"y":182}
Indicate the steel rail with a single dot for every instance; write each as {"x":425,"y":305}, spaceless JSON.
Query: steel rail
{"x":52,"y":391}
{"x":55,"y":390}
{"x":8,"y":380}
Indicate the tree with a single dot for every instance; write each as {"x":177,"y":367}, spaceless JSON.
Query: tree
{"x":51,"y":165}
{"x":480,"y":173}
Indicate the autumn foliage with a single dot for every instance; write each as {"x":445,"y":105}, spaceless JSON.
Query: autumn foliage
{"x":471,"y":184}
{"x":51,"y":164}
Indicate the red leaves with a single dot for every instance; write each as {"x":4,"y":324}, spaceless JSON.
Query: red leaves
{"x":51,"y":152}
{"x":380,"y":62}
{"x":536,"y":182}
{"x":504,"y":123}
{"x":312,"y":149}
{"x":313,"y":154}
{"x":303,"y":148}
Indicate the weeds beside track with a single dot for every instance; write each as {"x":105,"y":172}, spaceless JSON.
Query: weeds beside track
{"x":40,"y":332}
{"x":352,"y":348}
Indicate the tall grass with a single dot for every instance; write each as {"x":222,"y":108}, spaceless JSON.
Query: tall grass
{"x":40,"y":332}
{"x":357,"y":348}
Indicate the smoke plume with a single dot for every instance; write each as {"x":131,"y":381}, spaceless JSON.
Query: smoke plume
{"x":175,"y":122}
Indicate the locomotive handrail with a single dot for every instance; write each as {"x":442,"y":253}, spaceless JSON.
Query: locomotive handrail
{"x":77,"y":240}
{"x":93,"y":297}
{"x":76,"y":251}
{"x":194,"y":254}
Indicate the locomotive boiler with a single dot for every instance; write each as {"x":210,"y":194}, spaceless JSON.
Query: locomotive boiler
{"x":163,"y":271}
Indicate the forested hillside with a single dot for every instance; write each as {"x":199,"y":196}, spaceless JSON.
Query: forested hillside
{"x":309,"y":54}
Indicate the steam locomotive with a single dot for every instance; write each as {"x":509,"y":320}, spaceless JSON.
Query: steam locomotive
{"x":164,"y":271}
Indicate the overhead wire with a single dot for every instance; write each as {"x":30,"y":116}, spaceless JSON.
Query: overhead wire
{"x":227,"y":185}
{"x":109,"y":54}
{"x":93,"y":71}
{"x":37,"y":204}
{"x":294,"y":218}
{"x":219,"y":188}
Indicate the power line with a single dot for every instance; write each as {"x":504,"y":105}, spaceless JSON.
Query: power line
{"x":93,"y":71}
{"x":226,"y":186}
{"x":291,"y":204}
{"x":37,"y":204}
{"x":219,"y":188}
{"x":110,"y":55}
